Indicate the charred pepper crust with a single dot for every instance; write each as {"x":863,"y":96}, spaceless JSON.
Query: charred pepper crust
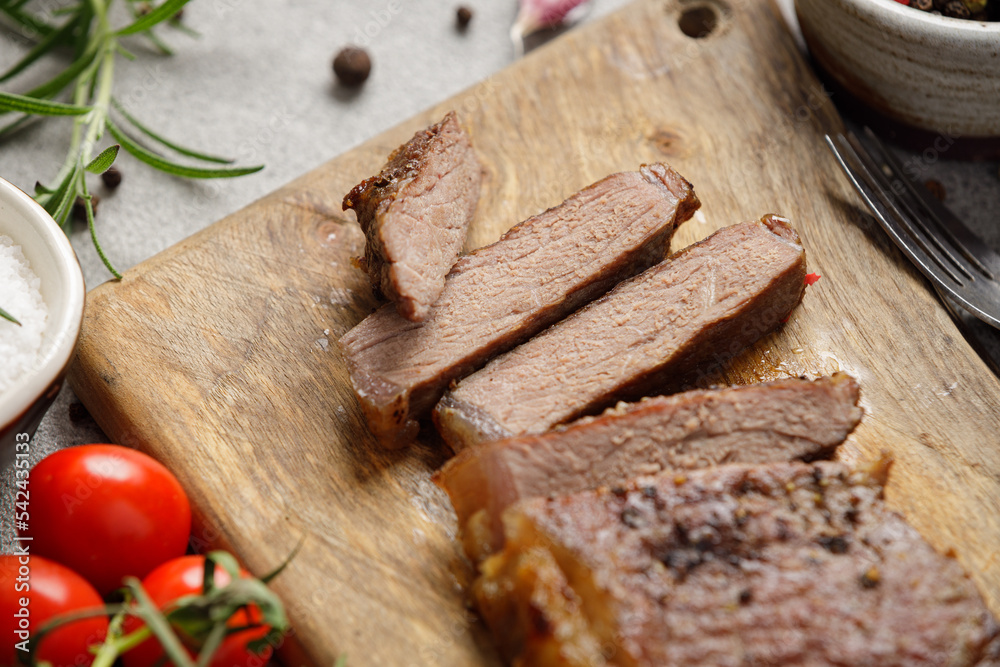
{"x":638,"y":502}
{"x":372,"y":197}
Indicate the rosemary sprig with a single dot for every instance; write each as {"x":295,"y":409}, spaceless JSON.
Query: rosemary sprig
{"x":93,"y":46}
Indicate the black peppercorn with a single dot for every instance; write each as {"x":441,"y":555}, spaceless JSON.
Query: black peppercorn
{"x":976,"y":10}
{"x":462,"y":17}
{"x":112,"y":178}
{"x":77,"y":412}
{"x":835,"y":544}
{"x":80,"y":207}
{"x":352,"y":66}
{"x":956,"y":9}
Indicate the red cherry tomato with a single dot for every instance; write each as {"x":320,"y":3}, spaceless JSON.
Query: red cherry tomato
{"x":107,"y":512}
{"x":49,"y":589}
{"x":184,"y":576}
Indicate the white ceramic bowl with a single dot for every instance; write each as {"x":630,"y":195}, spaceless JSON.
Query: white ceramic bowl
{"x":927,"y":71}
{"x":52,"y":259}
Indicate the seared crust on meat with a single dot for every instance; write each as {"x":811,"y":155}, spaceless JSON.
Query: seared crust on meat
{"x":780,"y":564}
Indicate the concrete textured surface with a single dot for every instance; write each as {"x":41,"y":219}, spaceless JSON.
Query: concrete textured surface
{"x":257,"y":85}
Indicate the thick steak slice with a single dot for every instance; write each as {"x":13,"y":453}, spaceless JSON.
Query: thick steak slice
{"x":779,"y":564}
{"x":500,"y":295}
{"x":777,"y":421}
{"x":415,"y":214}
{"x":705,"y":303}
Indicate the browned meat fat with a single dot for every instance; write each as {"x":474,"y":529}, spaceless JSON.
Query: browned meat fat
{"x":780,"y":564}
{"x":776,"y":421}
{"x":415,"y":214}
{"x":502,"y":294}
{"x":705,"y":303}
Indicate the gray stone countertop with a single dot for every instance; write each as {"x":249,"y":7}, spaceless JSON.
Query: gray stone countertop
{"x":257,"y":85}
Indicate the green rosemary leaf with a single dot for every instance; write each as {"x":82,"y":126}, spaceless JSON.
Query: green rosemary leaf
{"x":100,"y":164}
{"x":165,"y":11}
{"x":57,"y":83}
{"x":190,"y":32}
{"x":52,"y":201}
{"x":164,"y":165}
{"x":83,"y":22}
{"x":46,"y":44}
{"x":38,"y":107}
{"x":160,"y":45}
{"x":88,"y":204}
{"x":41,"y":189}
{"x":124,"y":52}
{"x":7,"y":316}
{"x":60,"y":203}
{"x":27,"y":21}
{"x":166,"y":142}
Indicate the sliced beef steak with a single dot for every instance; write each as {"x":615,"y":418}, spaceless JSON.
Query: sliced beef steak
{"x":777,"y":421}
{"x":705,"y":303}
{"x":780,"y":564}
{"x":415,"y":214}
{"x":500,"y":295}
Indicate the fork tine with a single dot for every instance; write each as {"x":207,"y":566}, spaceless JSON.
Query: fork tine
{"x":911,"y":219}
{"x":965,"y":241}
{"x":908,"y":238}
{"x":976,"y":296}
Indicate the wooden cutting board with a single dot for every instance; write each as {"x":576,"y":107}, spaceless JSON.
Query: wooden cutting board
{"x":218,"y":356}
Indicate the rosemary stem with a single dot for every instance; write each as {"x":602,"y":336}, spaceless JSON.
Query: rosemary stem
{"x":99,"y":111}
{"x":80,"y":94}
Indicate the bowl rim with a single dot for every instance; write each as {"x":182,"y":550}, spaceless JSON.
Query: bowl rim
{"x":18,"y":398}
{"x":912,"y":14}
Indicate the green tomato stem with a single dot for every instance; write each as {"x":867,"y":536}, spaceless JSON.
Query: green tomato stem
{"x":158,"y":625}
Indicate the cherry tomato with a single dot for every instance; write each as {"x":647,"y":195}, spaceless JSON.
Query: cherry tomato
{"x":48,"y":589}
{"x":107,"y":512}
{"x":184,"y":576}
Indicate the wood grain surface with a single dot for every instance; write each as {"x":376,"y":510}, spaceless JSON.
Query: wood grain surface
{"x":218,"y":356}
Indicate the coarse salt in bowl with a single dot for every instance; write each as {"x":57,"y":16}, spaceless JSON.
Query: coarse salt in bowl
{"x":20,"y":343}
{"x":41,"y":284}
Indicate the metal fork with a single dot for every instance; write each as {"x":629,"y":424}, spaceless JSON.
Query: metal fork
{"x":953,"y":258}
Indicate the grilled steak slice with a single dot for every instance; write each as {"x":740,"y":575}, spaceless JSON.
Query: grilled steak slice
{"x":760,"y":423}
{"x":502,"y":294}
{"x":779,"y":564}
{"x":707,"y":302}
{"x":415,"y":214}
